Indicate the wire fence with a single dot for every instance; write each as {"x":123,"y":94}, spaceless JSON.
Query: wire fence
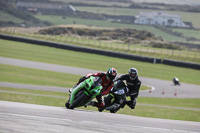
{"x":85,"y":41}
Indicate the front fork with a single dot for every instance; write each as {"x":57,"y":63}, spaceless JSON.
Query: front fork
{"x":70,"y":90}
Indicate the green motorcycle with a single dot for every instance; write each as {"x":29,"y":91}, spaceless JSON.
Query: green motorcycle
{"x":84,"y":92}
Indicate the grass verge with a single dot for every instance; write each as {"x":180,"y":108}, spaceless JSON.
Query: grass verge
{"x":141,"y":110}
{"x":31,"y":52}
{"x":137,"y":48}
{"x":36,"y":77}
{"x":39,"y":77}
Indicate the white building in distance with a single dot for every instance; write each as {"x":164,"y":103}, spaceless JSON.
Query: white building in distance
{"x":160,"y":18}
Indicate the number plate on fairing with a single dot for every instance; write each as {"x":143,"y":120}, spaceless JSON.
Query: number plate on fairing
{"x":119,"y":92}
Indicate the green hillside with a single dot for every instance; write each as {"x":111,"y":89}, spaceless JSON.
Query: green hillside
{"x":11,"y":16}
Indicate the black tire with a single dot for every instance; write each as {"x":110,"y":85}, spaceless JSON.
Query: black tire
{"x":67,"y":104}
{"x":101,"y":109}
{"x":112,"y":111}
{"x":107,"y":100}
{"x":81,"y":98}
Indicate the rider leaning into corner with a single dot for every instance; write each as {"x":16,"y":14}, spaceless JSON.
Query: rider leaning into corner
{"x":107,"y":84}
{"x":133,"y":84}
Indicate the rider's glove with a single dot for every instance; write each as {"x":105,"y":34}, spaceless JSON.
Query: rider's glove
{"x":82,"y":79}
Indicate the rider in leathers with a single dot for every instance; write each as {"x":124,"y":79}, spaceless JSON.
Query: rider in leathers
{"x":133,"y":84}
{"x":107,"y":84}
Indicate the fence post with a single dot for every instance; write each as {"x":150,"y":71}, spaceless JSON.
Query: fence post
{"x":65,"y":39}
{"x":117,"y":47}
{"x":154,"y":60}
{"x":195,"y":56}
{"x":94,"y":42}
{"x":187,"y":53}
{"x":71,"y":38}
{"x":24,"y":31}
{"x":100,"y":43}
{"x":147,"y":49}
{"x":128,"y":46}
{"x":76,"y":39}
{"x":13,"y":30}
{"x":60,"y":38}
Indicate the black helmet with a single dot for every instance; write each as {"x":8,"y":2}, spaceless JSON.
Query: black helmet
{"x":133,"y":73}
{"x":111,"y":73}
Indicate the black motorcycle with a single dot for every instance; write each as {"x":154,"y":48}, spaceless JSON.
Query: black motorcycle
{"x":176,"y":81}
{"x":116,"y":99}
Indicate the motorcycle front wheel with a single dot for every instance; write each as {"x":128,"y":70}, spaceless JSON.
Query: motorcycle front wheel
{"x":67,"y":104}
{"x":81,"y":98}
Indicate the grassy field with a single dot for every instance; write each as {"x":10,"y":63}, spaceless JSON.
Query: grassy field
{"x":186,"y":16}
{"x":48,"y":98}
{"x":92,"y":61}
{"x":7,"y":17}
{"x":137,"y":48}
{"x":103,"y":3}
{"x":37,"y":77}
{"x":64,"y":57}
{"x":126,"y":4}
{"x":24,"y":75}
{"x":58,"y":20}
{"x":165,"y":113}
{"x":171,"y":102}
{"x":189,"y":33}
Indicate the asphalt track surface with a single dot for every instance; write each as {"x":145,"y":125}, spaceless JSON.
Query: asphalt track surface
{"x":29,"y":118}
